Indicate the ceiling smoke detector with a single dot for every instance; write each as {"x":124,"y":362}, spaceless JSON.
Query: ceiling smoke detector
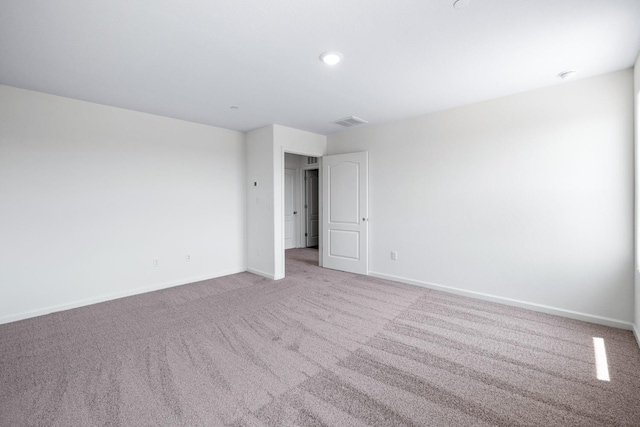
{"x":351,"y":121}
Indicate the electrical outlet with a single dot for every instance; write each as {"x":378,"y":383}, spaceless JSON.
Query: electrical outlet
{"x":188,"y":257}
{"x":394,"y":255}
{"x":155,"y":263}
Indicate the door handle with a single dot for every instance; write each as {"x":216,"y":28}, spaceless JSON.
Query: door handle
{"x":295,"y":212}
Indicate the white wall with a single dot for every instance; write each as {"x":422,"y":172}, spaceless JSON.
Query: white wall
{"x":526,"y":199}
{"x":90,"y":195}
{"x":260,"y":215}
{"x":266,"y":148}
{"x":288,"y":140}
{"x":294,"y":161}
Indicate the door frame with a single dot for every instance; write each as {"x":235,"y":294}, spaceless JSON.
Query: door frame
{"x":295,"y":194}
{"x":303,"y":199}
{"x":318,"y":166}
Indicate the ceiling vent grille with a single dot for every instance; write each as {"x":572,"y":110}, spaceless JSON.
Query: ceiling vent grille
{"x":350,"y":121}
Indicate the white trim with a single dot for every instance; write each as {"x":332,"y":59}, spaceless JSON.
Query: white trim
{"x":296,"y":206}
{"x":299,"y":207}
{"x":513,"y":302}
{"x":261,"y":273}
{"x":109,"y":297}
{"x":636,"y":333}
{"x":303,"y":200}
{"x":305,"y":153}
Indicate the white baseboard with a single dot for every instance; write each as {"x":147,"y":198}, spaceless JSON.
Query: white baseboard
{"x":261,"y":273}
{"x":615,"y":323}
{"x":109,"y":297}
{"x":636,"y":332}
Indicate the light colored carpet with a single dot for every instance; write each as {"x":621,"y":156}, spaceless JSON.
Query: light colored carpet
{"x":319,"y":348}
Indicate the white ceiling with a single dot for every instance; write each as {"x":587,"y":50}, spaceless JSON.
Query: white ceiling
{"x":194,"y":59}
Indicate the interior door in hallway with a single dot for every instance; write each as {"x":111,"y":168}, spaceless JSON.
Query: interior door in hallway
{"x":289,"y":209}
{"x":312,"y":211}
{"x":345,"y":212}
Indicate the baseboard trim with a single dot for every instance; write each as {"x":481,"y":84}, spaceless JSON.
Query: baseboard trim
{"x":109,"y":297}
{"x":606,"y":321}
{"x":261,"y":273}
{"x":636,"y":333}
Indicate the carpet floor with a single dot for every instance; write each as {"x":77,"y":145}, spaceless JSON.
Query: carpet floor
{"x":318,"y":348}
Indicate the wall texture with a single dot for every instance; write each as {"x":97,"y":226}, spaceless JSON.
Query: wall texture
{"x":526,"y":199}
{"x":90,"y":195}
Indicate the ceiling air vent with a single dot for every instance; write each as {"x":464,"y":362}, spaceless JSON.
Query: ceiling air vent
{"x":350,"y":121}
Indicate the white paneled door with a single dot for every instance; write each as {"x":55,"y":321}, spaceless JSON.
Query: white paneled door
{"x":289,"y":209}
{"x":345,"y":211}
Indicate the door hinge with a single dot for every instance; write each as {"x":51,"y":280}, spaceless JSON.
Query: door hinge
{"x":305,"y":234}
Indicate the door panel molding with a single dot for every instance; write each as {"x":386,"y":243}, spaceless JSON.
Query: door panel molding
{"x":345,"y":212}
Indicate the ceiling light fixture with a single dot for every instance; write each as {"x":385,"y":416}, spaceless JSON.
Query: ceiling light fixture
{"x":459,"y":4}
{"x":331,"y":58}
{"x":566,"y":75}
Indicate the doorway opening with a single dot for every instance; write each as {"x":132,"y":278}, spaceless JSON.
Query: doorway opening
{"x":342,"y":204}
{"x":301,"y":204}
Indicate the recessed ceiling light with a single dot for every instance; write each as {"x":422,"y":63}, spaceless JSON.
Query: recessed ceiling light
{"x":459,"y":4}
{"x":331,"y":58}
{"x":566,"y":75}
